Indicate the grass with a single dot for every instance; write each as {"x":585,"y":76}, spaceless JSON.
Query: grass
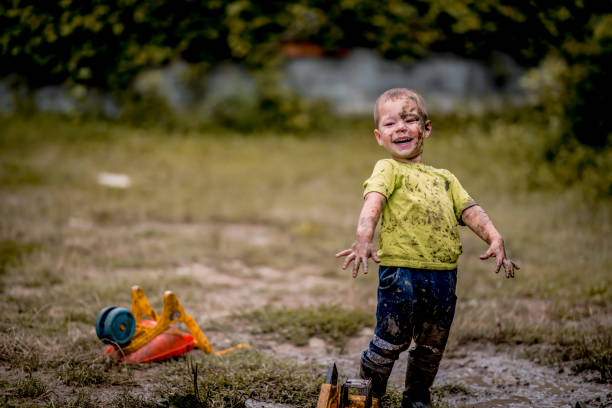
{"x":247,"y":374}
{"x":29,"y":387}
{"x":586,"y":351}
{"x":257,"y":219}
{"x":329,"y":322}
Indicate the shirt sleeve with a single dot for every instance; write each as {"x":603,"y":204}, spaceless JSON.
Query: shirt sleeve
{"x":382,"y":179}
{"x":461,"y":199}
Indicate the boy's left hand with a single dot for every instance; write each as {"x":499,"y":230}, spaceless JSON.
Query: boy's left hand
{"x":359,"y":254}
{"x":497,"y":250}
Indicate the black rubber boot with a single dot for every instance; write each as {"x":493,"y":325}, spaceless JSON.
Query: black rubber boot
{"x":416,"y":399}
{"x":379,"y":380}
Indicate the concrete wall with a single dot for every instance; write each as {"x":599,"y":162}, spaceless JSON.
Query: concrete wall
{"x":350,"y":83}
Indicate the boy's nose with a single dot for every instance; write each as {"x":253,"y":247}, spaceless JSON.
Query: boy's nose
{"x":401,"y":127}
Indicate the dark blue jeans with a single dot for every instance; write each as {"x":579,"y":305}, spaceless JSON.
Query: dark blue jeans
{"x":413,"y":304}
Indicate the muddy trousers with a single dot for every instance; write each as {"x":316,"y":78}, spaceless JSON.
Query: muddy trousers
{"x":413,"y":304}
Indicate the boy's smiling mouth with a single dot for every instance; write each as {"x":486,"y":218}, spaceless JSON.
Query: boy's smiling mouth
{"x":403,"y":140}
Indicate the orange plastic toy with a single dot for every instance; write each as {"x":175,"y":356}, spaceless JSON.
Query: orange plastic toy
{"x":155,"y":340}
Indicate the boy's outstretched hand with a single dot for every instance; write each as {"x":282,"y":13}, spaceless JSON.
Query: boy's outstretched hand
{"x":362,"y":248}
{"x":497,"y":250}
{"x":359,"y":253}
{"x":479,"y":222}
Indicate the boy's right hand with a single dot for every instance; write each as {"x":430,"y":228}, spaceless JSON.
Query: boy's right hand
{"x":362,"y":248}
{"x":359,"y":253}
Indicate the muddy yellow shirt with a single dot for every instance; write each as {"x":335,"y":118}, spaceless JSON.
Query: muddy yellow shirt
{"x":419,"y":225}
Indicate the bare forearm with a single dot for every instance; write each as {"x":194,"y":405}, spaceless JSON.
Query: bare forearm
{"x":370,"y":213}
{"x":478,"y":221}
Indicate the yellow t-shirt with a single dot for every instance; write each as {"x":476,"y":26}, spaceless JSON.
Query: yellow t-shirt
{"x":419,"y":226}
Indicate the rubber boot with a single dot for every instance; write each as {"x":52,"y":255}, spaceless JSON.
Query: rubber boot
{"x":379,"y":381}
{"x":416,"y":399}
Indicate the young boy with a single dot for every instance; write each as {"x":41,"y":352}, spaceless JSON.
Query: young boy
{"x":421,"y":209}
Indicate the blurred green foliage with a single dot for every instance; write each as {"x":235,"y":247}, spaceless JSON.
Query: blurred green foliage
{"x":571,"y":82}
{"x":104,"y":44}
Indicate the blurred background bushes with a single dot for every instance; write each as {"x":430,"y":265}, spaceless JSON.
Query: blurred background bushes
{"x":105,"y":44}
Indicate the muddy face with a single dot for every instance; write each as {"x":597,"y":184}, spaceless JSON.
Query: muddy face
{"x":411,"y":108}
{"x":402,"y":129}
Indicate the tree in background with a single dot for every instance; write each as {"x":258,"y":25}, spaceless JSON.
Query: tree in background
{"x":104,"y":44}
{"x":570,"y":42}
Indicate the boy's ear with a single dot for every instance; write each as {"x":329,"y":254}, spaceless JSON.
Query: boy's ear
{"x":377,"y":136}
{"x":427,"y":129}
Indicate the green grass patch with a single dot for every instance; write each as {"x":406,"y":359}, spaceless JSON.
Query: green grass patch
{"x":593,"y":353}
{"x":17,"y":174}
{"x":331,"y":323}
{"x":230,"y":380}
{"x":83,"y":399}
{"x":81,"y":363}
{"x":12,"y":252}
{"x":445,"y":390}
{"x":29,"y":387}
{"x":127,"y":399}
{"x":78,"y":371}
{"x":586,"y":350}
{"x":20,"y":351}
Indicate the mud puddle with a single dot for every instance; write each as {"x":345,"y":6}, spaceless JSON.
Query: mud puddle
{"x":480,"y":376}
{"x":498,"y":379}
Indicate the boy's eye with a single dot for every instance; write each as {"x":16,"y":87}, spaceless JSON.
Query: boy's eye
{"x":389,"y":123}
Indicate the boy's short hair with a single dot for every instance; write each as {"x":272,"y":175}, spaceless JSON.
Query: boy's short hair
{"x":399,"y":93}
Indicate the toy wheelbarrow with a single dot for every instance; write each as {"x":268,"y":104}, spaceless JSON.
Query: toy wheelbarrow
{"x":139,"y":340}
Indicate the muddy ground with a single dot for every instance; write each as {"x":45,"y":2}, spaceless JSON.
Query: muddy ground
{"x":485,"y":377}
{"x":475,"y":375}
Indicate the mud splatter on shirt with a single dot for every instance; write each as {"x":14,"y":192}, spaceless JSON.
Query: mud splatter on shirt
{"x":419,"y":226}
